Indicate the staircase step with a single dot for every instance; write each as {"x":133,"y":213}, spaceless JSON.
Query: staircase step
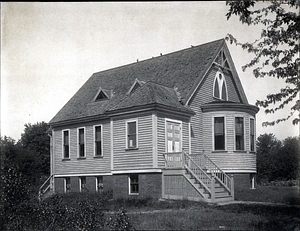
{"x":223,"y":199}
{"x":222,"y":194}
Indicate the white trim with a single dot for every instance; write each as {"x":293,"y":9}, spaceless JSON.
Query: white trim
{"x":213,"y":131}
{"x":82,"y":174}
{"x":94,"y":139}
{"x":112,"y":144}
{"x":137,"y":171}
{"x":84,"y":133}
{"x":137,"y":132}
{"x":238,"y":171}
{"x":166,"y":133}
{"x":254,"y":131}
{"x":154,"y":140}
{"x":53,"y":152}
{"x":244,"y":134}
{"x":62,"y":144}
{"x":190,"y":137}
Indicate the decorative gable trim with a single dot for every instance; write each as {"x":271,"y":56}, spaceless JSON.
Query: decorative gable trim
{"x":137,"y":83}
{"x":101,"y":95}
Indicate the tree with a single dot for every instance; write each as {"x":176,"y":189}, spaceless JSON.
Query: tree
{"x":276,"y":52}
{"x":36,"y":140}
{"x":267,"y":149}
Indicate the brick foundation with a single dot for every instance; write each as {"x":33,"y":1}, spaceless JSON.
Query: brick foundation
{"x":150,"y":185}
{"x":243,"y":180}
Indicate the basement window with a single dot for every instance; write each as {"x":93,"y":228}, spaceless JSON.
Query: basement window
{"x":134,"y":184}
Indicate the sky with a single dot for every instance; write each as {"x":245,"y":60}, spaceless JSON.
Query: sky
{"x":49,"y":50}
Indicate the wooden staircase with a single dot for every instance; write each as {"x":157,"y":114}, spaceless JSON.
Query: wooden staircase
{"x":46,"y":189}
{"x":204,"y":175}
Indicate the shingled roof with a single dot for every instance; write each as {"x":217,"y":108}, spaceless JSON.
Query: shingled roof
{"x":181,"y":70}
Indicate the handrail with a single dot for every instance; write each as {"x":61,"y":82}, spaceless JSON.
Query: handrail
{"x":41,"y":191}
{"x":195,"y":174}
{"x":220,"y":175}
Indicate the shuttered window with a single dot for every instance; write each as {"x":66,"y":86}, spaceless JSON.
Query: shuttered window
{"x":239,"y":133}
{"x":219,"y":133}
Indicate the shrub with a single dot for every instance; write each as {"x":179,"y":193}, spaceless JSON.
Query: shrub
{"x":119,"y":221}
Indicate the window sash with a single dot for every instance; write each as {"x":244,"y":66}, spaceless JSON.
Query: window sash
{"x":66,"y":146}
{"x":98,"y":141}
{"x":134,"y":184}
{"x":131,"y":134}
{"x":219,"y":133}
{"x":239,"y":133}
{"x":81,"y":142}
{"x":252,"y":135}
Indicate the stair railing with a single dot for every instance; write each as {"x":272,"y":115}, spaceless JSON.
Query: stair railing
{"x":47,"y":185}
{"x":216,"y":171}
{"x":198,"y":173}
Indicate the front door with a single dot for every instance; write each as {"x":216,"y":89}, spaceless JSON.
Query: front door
{"x":173,"y":136}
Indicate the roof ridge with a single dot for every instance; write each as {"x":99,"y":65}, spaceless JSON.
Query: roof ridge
{"x":157,"y":57}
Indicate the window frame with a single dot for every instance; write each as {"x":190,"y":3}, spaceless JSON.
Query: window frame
{"x":220,"y":86}
{"x":63,"y":144}
{"x":244,"y":136}
{"x":213,"y":133}
{"x":254,"y":134}
{"x":97,"y":184}
{"x":101,"y":140}
{"x":80,"y":183}
{"x":78,"y":144}
{"x":136,"y":135}
{"x":65,"y":185}
{"x":136,"y":183}
{"x":166,"y":133}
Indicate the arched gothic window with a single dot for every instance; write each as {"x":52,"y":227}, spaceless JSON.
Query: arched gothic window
{"x":220,"y":87}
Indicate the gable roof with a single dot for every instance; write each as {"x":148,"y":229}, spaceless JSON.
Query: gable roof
{"x":181,"y":70}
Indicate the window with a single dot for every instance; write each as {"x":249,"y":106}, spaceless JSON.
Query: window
{"x":252,"y":135}
{"x":81,"y":141}
{"x":219,"y":133}
{"x":67,"y":185}
{"x":66,"y":144}
{"x":173,"y":136}
{"x":98,"y":140}
{"x":82,"y":184}
{"x":220,"y":88}
{"x":239,"y":133}
{"x":134,"y":183}
{"x":132,"y":134}
{"x":99,"y":184}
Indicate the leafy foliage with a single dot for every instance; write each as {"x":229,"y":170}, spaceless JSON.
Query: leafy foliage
{"x":276,"y":52}
{"x":36,"y":140}
{"x":277,"y":160}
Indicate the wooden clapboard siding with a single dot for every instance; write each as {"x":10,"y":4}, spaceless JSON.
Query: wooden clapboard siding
{"x":88,"y":165}
{"x":204,"y":94}
{"x":230,"y":159}
{"x":161,"y":140}
{"x":133,"y":159}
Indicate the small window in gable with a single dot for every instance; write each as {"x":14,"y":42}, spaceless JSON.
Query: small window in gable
{"x":220,"y":87}
{"x":101,"y":95}
{"x":137,"y":83}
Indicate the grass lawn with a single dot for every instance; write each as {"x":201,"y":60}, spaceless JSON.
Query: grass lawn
{"x":275,"y":194}
{"x":149,"y":214}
